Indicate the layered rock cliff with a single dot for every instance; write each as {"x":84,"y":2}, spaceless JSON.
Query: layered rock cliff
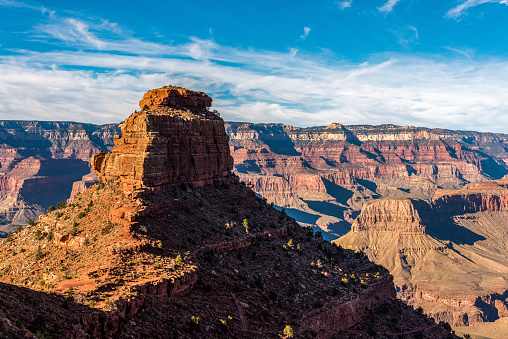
{"x":324,"y":175}
{"x":39,"y":163}
{"x":167,"y":145}
{"x":189,"y":255}
{"x":448,"y":256}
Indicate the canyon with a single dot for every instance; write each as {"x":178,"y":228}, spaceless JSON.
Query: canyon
{"x":40,"y":162}
{"x":169,"y":242}
{"x":374,"y":186}
{"x":323,"y":176}
{"x":447,"y":255}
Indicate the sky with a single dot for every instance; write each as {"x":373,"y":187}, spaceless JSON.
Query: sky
{"x":431,"y":63}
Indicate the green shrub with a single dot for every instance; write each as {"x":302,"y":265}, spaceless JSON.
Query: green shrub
{"x":31,"y":222}
{"x":51,"y":208}
{"x":61,"y":204}
{"x":194,"y":324}
{"x":19,"y":229}
{"x":38,"y":254}
{"x":74,"y":230}
{"x":81,"y":214}
{"x":245,"y":224}
{"x":38,"y":235}
{"x":179,"y":260}
{"x":107,"y":228}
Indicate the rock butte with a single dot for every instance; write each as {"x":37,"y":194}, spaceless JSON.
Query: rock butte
{"x":175,"y":140}
{"x":194,"y":254}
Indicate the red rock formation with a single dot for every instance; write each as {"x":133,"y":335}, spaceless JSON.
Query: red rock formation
{"x":178,"y":97}
{"x":343,"y":314}
{"x":166,"y":145}
{"x":391,"y":215}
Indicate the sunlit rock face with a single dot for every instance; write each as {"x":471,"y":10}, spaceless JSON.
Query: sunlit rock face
{"x":175,"y":140}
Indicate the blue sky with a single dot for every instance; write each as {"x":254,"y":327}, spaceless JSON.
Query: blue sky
{"x":306,"y":63}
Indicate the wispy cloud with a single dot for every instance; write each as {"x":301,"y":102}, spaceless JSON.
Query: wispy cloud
{"x":414,"y":30}
{"x":344,"y":4}
{"x":306,"y":31}
{"x":462,"y":8}
{"x":388,"y":6}
{"x":102,"y":80}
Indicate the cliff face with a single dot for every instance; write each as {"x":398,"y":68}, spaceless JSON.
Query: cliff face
{"x":192,"y":255}
{"x":356,"y":164}
{"x":165,"y":145}
{"x":449,"y":256}
{"x":39,"y":161}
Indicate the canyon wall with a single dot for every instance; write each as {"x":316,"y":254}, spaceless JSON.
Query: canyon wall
{"x":40,"y":161}
{"x":323,"y":176}
{"x":448,"y":255}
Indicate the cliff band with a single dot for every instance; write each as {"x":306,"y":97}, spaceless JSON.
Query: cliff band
{"x":176,"y":140}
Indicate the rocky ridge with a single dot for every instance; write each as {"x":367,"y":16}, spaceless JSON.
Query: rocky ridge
{"x":448,"y":256}
{"x":191,"y":258}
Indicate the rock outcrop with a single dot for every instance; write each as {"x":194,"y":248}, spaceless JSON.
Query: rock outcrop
{"x":195,"y":254}
{"x":449,"y":256}
{"x":176,"y":140}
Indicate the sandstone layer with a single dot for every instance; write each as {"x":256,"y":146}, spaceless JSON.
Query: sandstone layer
{"x":322,"y":176}
{"x":448,"y":256}
{"x":176,"y":140}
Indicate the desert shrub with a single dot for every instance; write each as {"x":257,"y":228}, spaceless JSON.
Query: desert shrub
{"x":245,"y":225}
{"x":81,"y":214}
{"x":107,"y":228}
{"x":223,"y":324}
{"x":179,"y":260}
{"x":31,"y":222}
{"x":194,"y":324}
{"x":38,"y":254}
{"x":38,"y":235}
{"x":288,"y":332}
{"x":51,"y":208}
{"x":19,"y":229}
{"x":290,"y":245}
{"x":61,"y":204}
{"x":50,"y":236}
{"x":74,"y":229}
{"x":145,"y":107}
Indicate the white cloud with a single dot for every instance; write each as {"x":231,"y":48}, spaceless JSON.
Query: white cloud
{"x":462,"y":8}
{"x":103,"y":81}
{"x":306,"y":31}
{"x":388,"y":6}
{"x":345,"y":4}
{"x":414,"y":30}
